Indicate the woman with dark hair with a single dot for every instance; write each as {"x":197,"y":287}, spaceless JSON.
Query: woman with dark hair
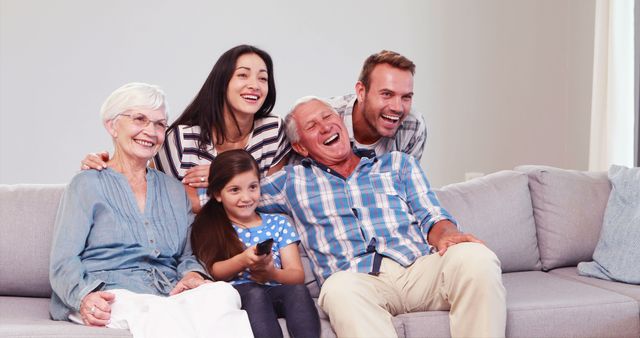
{"x":257,"y":253}
{"x":232,"y":110}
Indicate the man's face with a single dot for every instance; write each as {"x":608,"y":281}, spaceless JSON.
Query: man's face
{"x":387,"y":102}
{"x":323,"y":135}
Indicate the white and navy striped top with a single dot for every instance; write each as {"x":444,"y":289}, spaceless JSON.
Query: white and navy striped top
{"x":387,"y":198}
{"x":267,"y":144}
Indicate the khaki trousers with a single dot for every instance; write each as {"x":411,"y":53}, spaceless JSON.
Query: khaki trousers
{"x":466,"y":281}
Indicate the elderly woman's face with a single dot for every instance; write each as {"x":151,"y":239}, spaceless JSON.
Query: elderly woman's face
{"x":140,"y":133}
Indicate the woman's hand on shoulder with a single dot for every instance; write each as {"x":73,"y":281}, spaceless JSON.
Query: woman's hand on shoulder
{"x":197,"y":176}
{"x":95,"y":308}
{"x":191,"y":280}
{"x":97,"y":161}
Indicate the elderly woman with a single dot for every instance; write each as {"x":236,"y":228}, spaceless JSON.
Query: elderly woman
{"x":121,"y":239}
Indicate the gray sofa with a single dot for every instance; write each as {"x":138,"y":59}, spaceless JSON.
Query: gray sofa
{"x":540,"y":221}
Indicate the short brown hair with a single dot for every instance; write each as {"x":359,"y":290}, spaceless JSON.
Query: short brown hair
{"x":385,"y":56}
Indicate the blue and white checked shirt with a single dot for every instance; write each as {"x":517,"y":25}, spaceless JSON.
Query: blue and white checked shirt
{"x":386,"y":197}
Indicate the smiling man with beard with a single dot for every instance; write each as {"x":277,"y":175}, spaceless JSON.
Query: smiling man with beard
{"x":370,"y":226}
{"x":378,"y":116}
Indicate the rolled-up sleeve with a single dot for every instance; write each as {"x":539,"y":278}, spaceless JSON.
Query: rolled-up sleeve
{"x":420,"y":198}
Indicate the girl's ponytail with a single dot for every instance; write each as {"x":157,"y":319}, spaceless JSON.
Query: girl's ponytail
{"x":213,"y":238}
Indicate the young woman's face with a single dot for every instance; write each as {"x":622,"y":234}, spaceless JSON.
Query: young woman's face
{"x":240,"y":197}
{"x":249,"y":85}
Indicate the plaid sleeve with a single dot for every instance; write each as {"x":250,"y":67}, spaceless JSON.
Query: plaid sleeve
{"x":273,"y":197}
{"x":421,"y":199}
{"x":416,"y":137}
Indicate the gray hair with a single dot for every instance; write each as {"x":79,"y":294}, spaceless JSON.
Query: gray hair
{"x":133,"y":95}
{"x":290,"y":126}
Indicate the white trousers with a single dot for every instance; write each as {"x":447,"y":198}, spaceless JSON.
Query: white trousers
{"x":210,"y":310}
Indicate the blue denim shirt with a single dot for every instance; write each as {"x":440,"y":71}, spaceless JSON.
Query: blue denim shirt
{"x":102,"y":241}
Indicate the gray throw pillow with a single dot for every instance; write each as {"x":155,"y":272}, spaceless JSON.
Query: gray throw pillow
{"x":617,"y":255}
{"x":568,"y":206}
{"x":497,"y":209}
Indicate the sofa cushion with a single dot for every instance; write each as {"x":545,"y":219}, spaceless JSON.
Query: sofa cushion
{"x":540,"y":304}
{"x":568,"y":206}
{"x":29,"y":317}
{"x":27,"y":214}
{"x":423,"y":324}
{"x":629,"y":290}
{"x":543,"y":305}
{"x":617,"y":255}
{"x":497,"y":209}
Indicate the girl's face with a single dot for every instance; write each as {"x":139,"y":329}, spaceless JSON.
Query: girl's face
{"x":249,"y":85}
{"x":240,"y":197}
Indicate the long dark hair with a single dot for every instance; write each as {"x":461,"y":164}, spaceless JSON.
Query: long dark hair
{"x":213,"y":238}
{"x":207,"y":108}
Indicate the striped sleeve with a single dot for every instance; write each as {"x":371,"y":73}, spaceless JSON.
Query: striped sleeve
{"x":420,"y":198}
{"x":169,"y":156}
{"x":284,"y":147}
{"x":413,"y":135}
{"x":273,"y":198}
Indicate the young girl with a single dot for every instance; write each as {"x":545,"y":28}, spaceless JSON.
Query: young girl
{"x":224,"y":237}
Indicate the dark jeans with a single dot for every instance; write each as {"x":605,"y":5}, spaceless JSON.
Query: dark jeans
{"x":265,"y":304}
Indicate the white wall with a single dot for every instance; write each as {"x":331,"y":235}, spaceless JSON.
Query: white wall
{"x":501,"y":83}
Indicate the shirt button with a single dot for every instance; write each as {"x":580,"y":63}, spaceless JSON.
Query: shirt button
{"x":146,"y":222}
{"x":151,"y":241}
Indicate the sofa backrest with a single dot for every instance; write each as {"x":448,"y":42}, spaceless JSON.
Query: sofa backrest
{"x":27,"y":215}
{"x":568,"y":206}
{"x":497,"y":210}
{"x":535,"y":217}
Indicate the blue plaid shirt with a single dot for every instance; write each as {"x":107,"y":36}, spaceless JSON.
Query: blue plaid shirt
{"x":387,"y":198}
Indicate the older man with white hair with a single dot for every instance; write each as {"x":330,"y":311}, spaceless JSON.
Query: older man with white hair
{"x":370,"y":225}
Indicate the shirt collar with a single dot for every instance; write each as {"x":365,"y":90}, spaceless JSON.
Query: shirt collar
{"x":369,"y":154}
{"x":347,"y":116}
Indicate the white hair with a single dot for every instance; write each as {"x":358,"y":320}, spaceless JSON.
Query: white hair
{"x":133,"y":95}
{"x":290,"y":126}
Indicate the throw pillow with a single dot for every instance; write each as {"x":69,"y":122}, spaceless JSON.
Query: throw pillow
{"x":568,"y":207}
{"x":617,"y":255}
{"x":497,"y":209}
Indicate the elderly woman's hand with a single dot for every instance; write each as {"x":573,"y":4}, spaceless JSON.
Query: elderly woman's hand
{"x":197,"y":176}
{"x":97,"y":161}
{"x":191,"y":280}
{"x":95,"y":308}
